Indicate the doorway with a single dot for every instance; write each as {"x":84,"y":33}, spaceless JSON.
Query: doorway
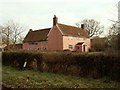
{"x":83,"y":48}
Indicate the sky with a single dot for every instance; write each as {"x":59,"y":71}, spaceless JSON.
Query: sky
{"x":38,"y":14}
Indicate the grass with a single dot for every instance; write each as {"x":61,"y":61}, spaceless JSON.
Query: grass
{"x":15,"y":78}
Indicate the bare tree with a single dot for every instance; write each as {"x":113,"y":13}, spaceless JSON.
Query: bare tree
{"x":6,"y":33}
{"x":11,"y":33}
{"x":114,"y":31}
{"x":99,"y":43}
{"x":93,"y":27}
{"x":114,"y":37}
{"x":0,"y":35}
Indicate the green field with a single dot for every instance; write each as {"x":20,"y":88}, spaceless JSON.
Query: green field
{"x":15,"y":78}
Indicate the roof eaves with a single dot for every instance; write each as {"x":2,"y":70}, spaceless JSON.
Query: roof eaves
{"x":49,"y":32}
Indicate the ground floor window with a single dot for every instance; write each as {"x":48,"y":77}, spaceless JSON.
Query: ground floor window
{"x":29,"y":48}
{"x":43,"y":48}
{"x":70,"y":46}
{"x":33,"y":43}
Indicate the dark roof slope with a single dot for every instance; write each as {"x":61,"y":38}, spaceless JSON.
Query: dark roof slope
{"x":37,"y":35}
{"x":72,"y":31}
{"x":41,"y":34}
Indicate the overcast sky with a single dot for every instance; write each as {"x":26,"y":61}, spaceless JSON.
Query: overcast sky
{"x":38,"y":14}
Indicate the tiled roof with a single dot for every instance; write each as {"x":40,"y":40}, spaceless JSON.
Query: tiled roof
{"x":37,"y":35}
{"x":41,"y":34}
{"x":72,"y":31}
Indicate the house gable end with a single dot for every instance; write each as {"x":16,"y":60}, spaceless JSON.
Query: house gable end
{"x":58,"y":28}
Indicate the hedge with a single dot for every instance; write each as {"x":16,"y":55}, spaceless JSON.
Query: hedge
{"x":94,"y":65}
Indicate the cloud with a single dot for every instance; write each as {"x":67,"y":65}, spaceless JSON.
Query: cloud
{"x":39,"y":13}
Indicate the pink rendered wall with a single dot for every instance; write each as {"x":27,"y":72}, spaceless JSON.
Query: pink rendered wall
{"x":40,"y":45}
{"x":73,"y":41}
{"x":55,"y":39}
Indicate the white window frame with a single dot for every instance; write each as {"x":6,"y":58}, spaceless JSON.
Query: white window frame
{"x":70,"y":46}
{"x":77,"y":38}
{"x":70,"y":38}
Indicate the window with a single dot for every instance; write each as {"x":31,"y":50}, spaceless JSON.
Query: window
{"x":45,"y":48}
{"x":29,"y":48}
{"x":70,"y":38}
{"x":33,"y":43}
{"x":78,"y":38}
{"x":70,"y":46}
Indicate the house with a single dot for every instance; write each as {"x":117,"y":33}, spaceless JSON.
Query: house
{"x":60,"y":37}
{"x":13,"y":47}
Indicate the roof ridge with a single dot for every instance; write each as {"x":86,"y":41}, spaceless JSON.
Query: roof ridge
{"x":70,"y":26}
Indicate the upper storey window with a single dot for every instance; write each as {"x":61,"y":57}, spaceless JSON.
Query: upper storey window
{"x":70,"y":38}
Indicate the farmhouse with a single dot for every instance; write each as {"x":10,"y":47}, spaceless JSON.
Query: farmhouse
{"x":58,"y":38}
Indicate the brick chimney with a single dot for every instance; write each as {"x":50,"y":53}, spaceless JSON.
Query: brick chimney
{"x":82,"y":26}
{"x":55,"y":20}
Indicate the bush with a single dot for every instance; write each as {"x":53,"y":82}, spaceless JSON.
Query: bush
{"x":94,"y":65}
{"x":17,"y":59}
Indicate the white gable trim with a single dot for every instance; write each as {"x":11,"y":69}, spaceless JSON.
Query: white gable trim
{"x":52,"y":29}
{"x":49,"y":32}
{"x":59,"y":29}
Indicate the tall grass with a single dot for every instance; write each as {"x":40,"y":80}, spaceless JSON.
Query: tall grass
{"x":31,"y":79}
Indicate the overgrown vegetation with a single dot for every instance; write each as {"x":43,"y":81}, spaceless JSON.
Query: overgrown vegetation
{"x":95,"y":65}
{"x":99,"y":44}
{"x":108,"y":43}
{"x":15,"y":78}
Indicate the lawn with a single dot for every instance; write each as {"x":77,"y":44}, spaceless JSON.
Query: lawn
{"x":15,"y":78}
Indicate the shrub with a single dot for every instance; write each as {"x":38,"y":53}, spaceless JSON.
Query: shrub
{"x":94,"y":65}
{"x":17,"y":59}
